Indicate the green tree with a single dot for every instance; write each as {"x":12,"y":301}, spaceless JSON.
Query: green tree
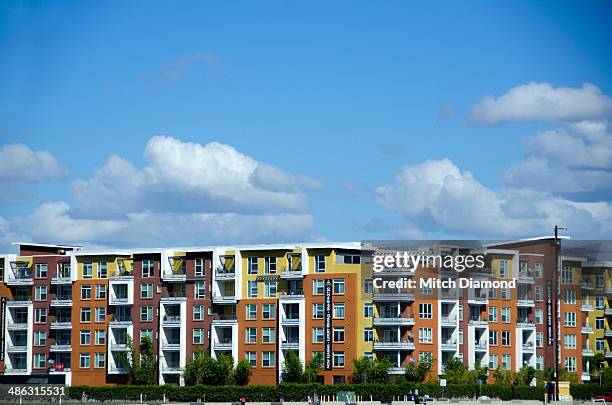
{"x":242,"y":372}
{"x":503,"y":377}
{"x":312,"y":368}
{"x":525,"y":376}
{"x":455,"y":371}
{"x":226,"y":366}
{"x":293,"y":371}
{"x":203,"y":369}
{"x":367,"y":370}
{"x":417,"y":372}
{"x":141,"y":363}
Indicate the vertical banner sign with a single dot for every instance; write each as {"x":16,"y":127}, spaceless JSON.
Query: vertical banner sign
{"x":549,"y":313}
{"x":3,"y":314}
{"x":328,"y":324}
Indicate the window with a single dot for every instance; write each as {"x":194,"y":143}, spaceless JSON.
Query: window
{"x":505,"y":337}
{"x":338,"y":335}
{"x":85,"y":337}
{"x":40,"y":360}
{"x":425,"y":335}
{"x":425,"y":291}
{"x":251,"y":335}
{"x":570,"y":296}
{"x":493,"y":293}
{"x":569,"y":319}
{"x":146,"y":333}
{"x":320,"y":264}
{"x":251,"y":311}
{"x":317,"y":311}
{"x":539,"y":339}
{"x":199,"y":267}
{"x":268,"y":335}
{"x":425,"y":311}
{"x":199,"y":290}
{"x":425,"y":356}
{"x":198,"y":312}
{"x":318,"y":287}
{"x":268,"y":311}
{"x":539,"y":270}
{"x":504,"y":293}
{"x":539,"y":362}
{"x":87,"y":270}
{"x":338,"y":310}
{"x":270,"y":265}
{"x":368,"y":335}
{"x":85,"y":314}
{"x":368,"y":286}
{"x":147,"y":268}
{"x":539,"y":317}
{"x":41,"y":271}
{"x":252,"y":288}
{"x":503,"y":268}
{"x":85,"y":361}
{"x":368,"y":310}
{"x":460,"y":338}
{"x":100,"y":337}
{"x":460,"y":312}
{"x":600,"y":302}
{"x":317,"y":335}
{"x":506,"y":361}
{"x":600,"y":344}
{"x":40,"y":338}
{"x":100,"y":314}
{"x":146,"y":314}
{"x":99,"y":360}
{"x":599,"y":323}
{"x":198,"y":336}
{"x":493,"y":361}
{"x":505,"y":315}
{"x":267,"y":359}
{"x":85,"y":292}
{"x":338,"y":359}
{"x":539,"y":296}
{"x":569,"y":341}
{"x":252,"y":265}
{"x":102,"y":269}
{"x":40,"y":293}
{"x":251,"y":357}
{"x":493,"y":338}
{"x":270,"y":288}
{"x":492,"y":314}
{"x":351,"y":259}
{"x":338,"y":286}
{"x":40,"y":315}
{"x":566,"y":275}
{"x":146,"y":291}
{"x":599,"y":280}
{"x":100,"y":291}
{"x":570,"y":363}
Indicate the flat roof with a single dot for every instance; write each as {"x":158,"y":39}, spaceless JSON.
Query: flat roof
{"x":51,"y":245}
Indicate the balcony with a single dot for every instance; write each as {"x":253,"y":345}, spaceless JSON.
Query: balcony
{"x":222,"y":344}
{"x":389,"y":344}
{"x":525,"y":277}
{"x":224,"y":298}
{"x":221,"y":273}
{"x":608,"y":333}
{"x":174,"y":296}
{"x":15,"y":371}
{"x":118,"y":320}
{"x":294,"y":272}
{"x":525,"y":302}
{"x":449,"y":345}
{"x":122,"y":274}
{"x":608,"y":311}
{"x":17,"y":326}
{"x":119,"y":347}
{"x":20,"y":275}
{"x":225,"y":320}
{"x":292,"y":293}
{"x":528,"y":346}
{"x":448,"y":321}
{"x":398,"y":320}
{"x":393,"y":297}
{"x":63,"y":301}
{"x":171,"y":320}
{"x":587,"y":329}
{"x":290,"y":320}
{"x":292,"y":344}
{"x":117,"y":370}
{"x":481,"y":346}
{"x":395,"y":272}
{"x":478,"y":299}
{"x":19,"y":301}
{"x":21,"y":348}
{"x":63,"y":346}
{"x":478,"y":322}
{"x":608,"y":355}
{"x":586,"y":307}
{"x":171,"y":346}
{"x":61,"y":324}
{"x":586,"y":285}
{"x":62,"y":279}
{"x":171,"y":369}
{"x":175,"y":276}
{"x":525,"y":323}
{"x":396,"y":370}
{"x":587,"y":352}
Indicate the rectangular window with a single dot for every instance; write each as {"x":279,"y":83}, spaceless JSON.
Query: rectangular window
{"x":569,"y":319}
{"x":100,"y":291}
{"x":569,"y":341}
{"x":199,"y":290}
{"x":199,"y":267}
{"x":270,"y":265}
{"x":100,"y":337}
{"x":100,"y":314}
{"x":40,"y":338}
{"x":270,"y":288}
{"x":492,"y":314}
{"x":85,"y":314}
{"x":317,"y":311}
{"x":539,"y":362}
{"x":102,"y":269}
{"x":85,"y":361}
{"x":570,"y":364}
{"x":505,"y":315}
{"x":87,"y":269}
{"x":198,"y":336}
{"x":493,"y":338}
{"x":320,"y":264}
{"x":40,"y":315}
{"x":99,"y":360}
{"x":539,"y":296}
{"x":252,"y":289}
{"x":493,"y":361}
{"x":85,"y":292}
{"x":85,"y":337}
{"x":460,"y":336}
{"x":317,"y":335}
{"x":338,"y":310}
{"x":505,"y":335}
{"x":503,"y":268}
{"x":368,"y":310}
{"x":600,"y":345}
{"x":267,"y":359}
{"x":339,"y":335}
{"x":506,"y":361}
{"x":566,"y":275}
{"x":425,"y":335}
{"x":146,"y":314}
{"x":147,"y":268}
{"x":268,"y":335}
{"x":198,"y":312}
{"x":539,"y":339}
{"x":251,"y":335}
{"x":146,"y":333}
{"x":460,"y":312}
{"x":251,"y":311}
{"x":539,"y":317}
{"x":505,"y":293}
{"x":252,"y":265}
{"x":318,"y":287}
{"x":268,"y":311}
{"x":41,"y":271}
{"x":146,"y":291}
{"x":338,"y":286}
{"x":539,"y":270}
{"x":251,"y":357}
{"x":570,"y":296}
{"x":40,"y":360}
{"x":368,"y":286}
{"x":338,"y":359}
{"x":425,"y":311}
{"x":599,"y":323}
{"x":368,"y":335}
{"x":40,"y":293}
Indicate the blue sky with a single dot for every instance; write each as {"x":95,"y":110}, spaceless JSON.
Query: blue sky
{"x":334,"y":101}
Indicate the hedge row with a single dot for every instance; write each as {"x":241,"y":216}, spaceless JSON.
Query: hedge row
{"x":588,"y":391}
{"x":300,"y":392}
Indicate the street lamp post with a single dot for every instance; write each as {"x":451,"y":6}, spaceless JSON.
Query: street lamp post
{"x":557,"y":323}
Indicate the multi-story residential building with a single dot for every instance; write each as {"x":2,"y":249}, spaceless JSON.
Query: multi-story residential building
{"x":68,"y":314}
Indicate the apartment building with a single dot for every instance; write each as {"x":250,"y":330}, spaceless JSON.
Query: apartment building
{"x":68,"y":313}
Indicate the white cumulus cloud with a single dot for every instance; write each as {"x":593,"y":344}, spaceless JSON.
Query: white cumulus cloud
{"x":20,"y":163}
